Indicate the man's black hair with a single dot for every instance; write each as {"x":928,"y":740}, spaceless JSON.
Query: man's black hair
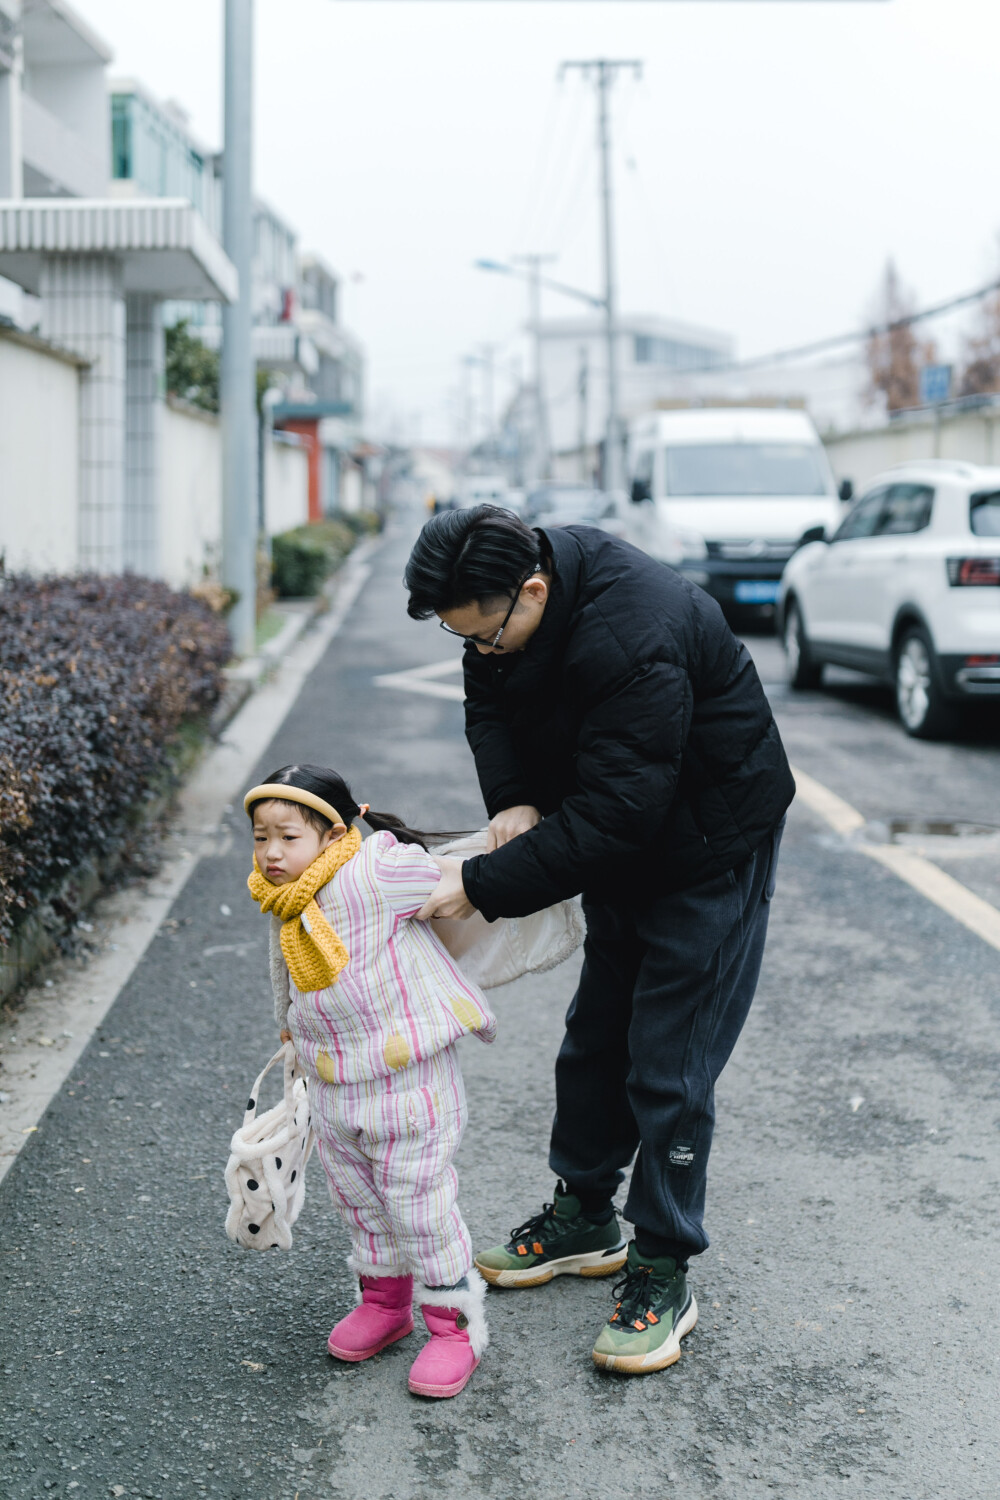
{"x":469,"y":556}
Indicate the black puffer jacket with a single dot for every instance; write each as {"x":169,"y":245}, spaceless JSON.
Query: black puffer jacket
{"x":635,"y":722}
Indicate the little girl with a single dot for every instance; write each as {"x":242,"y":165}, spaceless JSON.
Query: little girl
{"x":375,"y":1006}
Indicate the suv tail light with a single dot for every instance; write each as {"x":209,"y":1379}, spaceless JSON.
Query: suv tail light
{"x":974,"y":572}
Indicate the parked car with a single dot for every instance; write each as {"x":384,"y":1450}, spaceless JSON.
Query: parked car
{"x":488,"y":489}
{"x":565,"y":505}
{"x":725,"y":494}
{"x":906,"y":588}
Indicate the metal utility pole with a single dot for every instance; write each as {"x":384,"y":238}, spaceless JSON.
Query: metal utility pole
{"x":603,"y":70}
{"x":582,"y":380}
{"x":487,"y":360}
{"x":534,"y":263}
{"x":236,"y":379}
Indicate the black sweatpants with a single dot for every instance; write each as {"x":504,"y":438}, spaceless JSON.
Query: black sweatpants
{"x":664,"y":992}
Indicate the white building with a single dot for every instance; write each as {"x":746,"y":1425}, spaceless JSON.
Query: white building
{"x":651,"y":350}
{"x":831,"y":387}
{"x":53,"y":105}
{"x":99,"y":269}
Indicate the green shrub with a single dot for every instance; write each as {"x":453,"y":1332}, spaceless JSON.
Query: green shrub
{"x":303,"y":558}
{"x":363,"y":522}
{"x":298,"y":565}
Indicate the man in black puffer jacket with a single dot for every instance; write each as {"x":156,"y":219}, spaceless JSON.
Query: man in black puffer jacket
{"x":625,"y":751}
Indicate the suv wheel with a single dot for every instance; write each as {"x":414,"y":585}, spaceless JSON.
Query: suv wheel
{"x":800,"y":669}
{"x":924,"y":711}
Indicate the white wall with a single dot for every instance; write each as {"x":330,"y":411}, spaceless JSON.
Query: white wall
{"x":351,"y":489}
{"x":39,"y":423}
{"x":286,"y":487}
{"x":190,"y":496}
{"x":973,"y":436}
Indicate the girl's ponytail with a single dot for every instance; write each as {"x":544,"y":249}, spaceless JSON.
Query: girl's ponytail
{"x":323,"y":782}
{"x":388,"y":822}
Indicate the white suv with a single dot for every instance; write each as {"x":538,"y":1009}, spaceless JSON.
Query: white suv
{"x":907,"y":588}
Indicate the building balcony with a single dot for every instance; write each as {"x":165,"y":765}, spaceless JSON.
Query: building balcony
{"x":57,"y":162}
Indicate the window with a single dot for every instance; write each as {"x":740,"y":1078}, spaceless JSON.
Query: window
{"x":121,"y":137}
{"x":863,"y":519}
{"x":984,"y":514}
{"x":675,"y":355}
{"x":907,"y":509}
{"x":747,"y":469}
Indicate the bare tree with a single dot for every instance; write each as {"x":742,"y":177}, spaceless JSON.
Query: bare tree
{"x":895,"y":357}
{"x":980,"y":367}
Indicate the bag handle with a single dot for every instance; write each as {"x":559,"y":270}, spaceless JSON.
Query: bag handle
{"x":285,"y":1054}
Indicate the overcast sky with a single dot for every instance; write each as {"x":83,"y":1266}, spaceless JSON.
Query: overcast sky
{"x":774,"y":154}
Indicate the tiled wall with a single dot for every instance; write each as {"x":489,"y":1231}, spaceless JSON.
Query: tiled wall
{"x":83,"y":309}
{"x":143,"y":433}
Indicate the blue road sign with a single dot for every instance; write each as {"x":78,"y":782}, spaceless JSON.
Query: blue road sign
{"x":935,"y":384}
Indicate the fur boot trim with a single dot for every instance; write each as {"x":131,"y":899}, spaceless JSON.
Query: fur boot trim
{"x":366,"y":1268}
{"x":471,"y":1302}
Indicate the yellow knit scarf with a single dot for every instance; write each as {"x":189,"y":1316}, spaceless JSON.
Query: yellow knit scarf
{"x":313,"y":952}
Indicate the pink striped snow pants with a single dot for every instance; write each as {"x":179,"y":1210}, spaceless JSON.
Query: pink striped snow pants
{"x":387,"y":1146}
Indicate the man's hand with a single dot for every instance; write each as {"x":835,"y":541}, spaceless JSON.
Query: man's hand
{"x":508,"y":824}
{"x":448,"y":898}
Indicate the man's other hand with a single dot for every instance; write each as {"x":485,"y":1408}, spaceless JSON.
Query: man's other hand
{"x":508,"y":824}
{"x":448,"y":898}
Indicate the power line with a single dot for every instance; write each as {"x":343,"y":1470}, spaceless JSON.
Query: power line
{"x":859,"y":336}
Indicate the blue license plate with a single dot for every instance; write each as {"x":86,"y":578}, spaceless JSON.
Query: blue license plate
{"x":757,"y":591}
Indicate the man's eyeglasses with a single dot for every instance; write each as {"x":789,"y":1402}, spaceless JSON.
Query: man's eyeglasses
{"x":477,"y":640}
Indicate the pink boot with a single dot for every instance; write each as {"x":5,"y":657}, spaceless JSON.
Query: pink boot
{"x":384,"y":1314}
{"x":457,"y":1327}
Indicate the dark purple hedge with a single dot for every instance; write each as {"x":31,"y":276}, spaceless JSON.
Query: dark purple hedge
{"x":96,"y":677}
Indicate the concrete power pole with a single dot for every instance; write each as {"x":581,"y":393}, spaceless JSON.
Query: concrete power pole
{"x":603,"y":70}
{"x":487,"y":363}
{"x":582,"y":380}
{"x":534,"y":263}
{"x":236,"y":379}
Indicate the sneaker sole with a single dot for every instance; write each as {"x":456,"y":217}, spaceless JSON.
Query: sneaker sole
{"x":658,"y":1359}
{"x":355,"y":1356}
{"x":595,"y":1263}
{"x":441,"y":1392}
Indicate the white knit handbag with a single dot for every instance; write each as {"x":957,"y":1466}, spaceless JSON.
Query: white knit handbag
{"x":266,"y":1172}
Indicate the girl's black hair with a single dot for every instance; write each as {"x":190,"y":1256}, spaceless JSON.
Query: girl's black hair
{"x":323,"y":782}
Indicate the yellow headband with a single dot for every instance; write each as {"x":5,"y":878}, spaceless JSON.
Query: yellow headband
{"x":284,"y":793}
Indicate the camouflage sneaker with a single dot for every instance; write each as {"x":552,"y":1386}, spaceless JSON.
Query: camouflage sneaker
{"x":653,"y":1312}
{"x":559,"y":1241}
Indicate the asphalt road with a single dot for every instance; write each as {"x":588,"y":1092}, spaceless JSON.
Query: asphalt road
{"x":847,"y":1341}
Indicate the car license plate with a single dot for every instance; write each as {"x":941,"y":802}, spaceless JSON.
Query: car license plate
{"x":757,"y":591}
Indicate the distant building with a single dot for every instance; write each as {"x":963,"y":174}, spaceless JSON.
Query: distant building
{"x":651,"y":351}
{"x":327,"y":413}
{"x":316,"y":366}
{"x":53,"y":104}
{"x":154,"y":155}
{"x":832,"y":388}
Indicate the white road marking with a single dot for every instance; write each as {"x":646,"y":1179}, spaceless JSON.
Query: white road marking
{"x":944,"y":890}
{"x":424,"y":680}
{"x":35,"y":1067}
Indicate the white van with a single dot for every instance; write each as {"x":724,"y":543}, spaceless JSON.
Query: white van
{"x":726,"y":494}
